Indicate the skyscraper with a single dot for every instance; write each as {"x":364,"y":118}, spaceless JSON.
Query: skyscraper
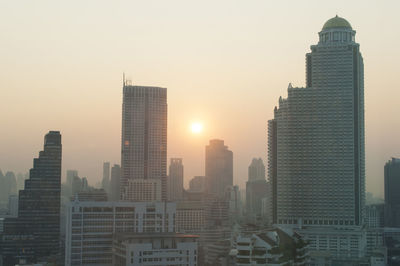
{"x":105,"y":183}
{"x":316,"y":153}
{"x":144,"y":140}
{"x":392,"y":194}
{"x":256,"y":188}
{"x":256,"y":170}
{"x":219,"y":167}
{"x":35,"y":233}
{"x":175,"y":180}
{"x":115,"y":182}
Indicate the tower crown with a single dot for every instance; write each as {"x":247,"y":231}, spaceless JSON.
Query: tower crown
{"x":336,"y":30}
{"x":336,"y":22}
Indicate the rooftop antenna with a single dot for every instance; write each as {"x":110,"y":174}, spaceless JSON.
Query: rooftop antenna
{"x":123,"y":78}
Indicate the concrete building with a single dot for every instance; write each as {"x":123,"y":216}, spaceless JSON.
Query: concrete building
{"x":198,"y":184}
{"x":219,"y":167}
{"x":392,"y":195}
{"x":92,"y":194}
{"x":319,"y":136}
{"x":91,"y":227}
{"x":190,"y":217}
{"x":175,"y":180}
{"x":155,"y":249}
{"x":374,"y":215}
{"x":272,"y":247}
{"x":142,"y":190}
{"x":144,"y":138}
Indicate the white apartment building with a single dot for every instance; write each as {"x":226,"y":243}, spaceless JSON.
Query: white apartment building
{"x":155,"y":249}
{"x":91,"y":226}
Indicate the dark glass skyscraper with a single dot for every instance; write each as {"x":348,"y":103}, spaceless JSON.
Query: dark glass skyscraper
{"x":35,"y":233}
{"x":392,"y":193}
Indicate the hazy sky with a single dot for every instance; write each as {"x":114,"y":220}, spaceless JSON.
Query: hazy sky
{"x":225,"y":63}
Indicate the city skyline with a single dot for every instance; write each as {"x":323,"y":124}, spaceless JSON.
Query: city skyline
{"x":263,"y":77}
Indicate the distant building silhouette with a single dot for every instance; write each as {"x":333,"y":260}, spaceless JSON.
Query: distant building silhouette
{"x":219,"y":167}
{"x":144,"y":140}
{"x":105,"y":182}
{"x":198,"y":184}
{"x":35,"y":234}
{"x":70,"y":176}
{"x":256,"y":189}
{"x":175,"y":180}
{"x":115,"y":182}
{"x":8,"y":186}
{"x":392,"y":193}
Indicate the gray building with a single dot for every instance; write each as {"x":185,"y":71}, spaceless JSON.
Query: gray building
{"x":115,"y":182}
{"x":317,"y":137}
{"x":175,"y":180}
{"x":144,"y":139}
{"x":392,"y":194}
{"x":257,"y":188}
{"x":105,"y":182}
{"x":219,"y":167}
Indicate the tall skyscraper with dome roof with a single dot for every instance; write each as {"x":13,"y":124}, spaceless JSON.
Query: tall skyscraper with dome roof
{"x":316,"y":139}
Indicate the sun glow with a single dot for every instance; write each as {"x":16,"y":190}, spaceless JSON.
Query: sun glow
{"x":197,"y":128}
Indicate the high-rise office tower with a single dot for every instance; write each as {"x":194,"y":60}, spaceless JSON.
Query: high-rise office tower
{"x":256,"y":170}
{"x":316,"y":138}
{"x":219,"y":167}
{"x":256,"y":188}
{"x":144,"y":141}
{"x":35,"y":233}
{"x":115,"y":182}
{"x":175,"y":180}
{"x":105,"y":183}
{"x":71,"y":174}
{"x":392,"y":194}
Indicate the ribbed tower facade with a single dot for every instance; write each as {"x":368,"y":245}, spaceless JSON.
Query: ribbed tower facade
{"x":144,"y":143}
{"x":316,"y":139}
{"x":35,"y":233}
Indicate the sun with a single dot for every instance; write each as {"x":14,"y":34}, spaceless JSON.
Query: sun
{"x":197,"y":128}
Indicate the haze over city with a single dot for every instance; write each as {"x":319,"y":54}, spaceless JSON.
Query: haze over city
{"x":224,"y":63}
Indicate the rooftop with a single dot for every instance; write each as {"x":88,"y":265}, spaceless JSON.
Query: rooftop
{"x":336,"y":22}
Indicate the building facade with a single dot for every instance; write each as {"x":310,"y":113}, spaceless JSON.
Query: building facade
{"x":256,"y":188}
{"x":175,"y":180}
{"x":392,"y":195}
{"x":35,"y":233}
{"x":91,"y":227}
{"x":115,"y":183}
{"x":317,"y":155}
{"x":198,"y":184}
{"x":105,"y":182}
{"x":149,"y":249}
{"x":144,"y":136}
{"x":219,"y":167}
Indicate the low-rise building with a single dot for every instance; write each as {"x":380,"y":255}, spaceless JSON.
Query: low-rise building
{"x":92,"y":225}
{"x":155,"y":249}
